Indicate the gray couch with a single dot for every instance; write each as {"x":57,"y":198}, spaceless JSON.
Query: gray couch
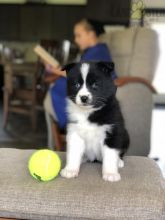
{"x":139,"y":195}
{"x":141,"y":192}
{"x":135,"y":53}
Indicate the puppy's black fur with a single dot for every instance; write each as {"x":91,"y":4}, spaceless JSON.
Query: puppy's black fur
{"x":106,"y":109}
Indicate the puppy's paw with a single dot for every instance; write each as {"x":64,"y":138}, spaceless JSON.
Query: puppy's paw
{"x":68,"y":173}
{"x":121,"y":163}
{"x":112,"y":177}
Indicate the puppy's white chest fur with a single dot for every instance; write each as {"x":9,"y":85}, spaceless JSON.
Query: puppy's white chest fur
{"x":92,"y":134}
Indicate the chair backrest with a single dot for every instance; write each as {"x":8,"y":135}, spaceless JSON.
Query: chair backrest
{"x":134,"y":51}
{"x":59,"y":49}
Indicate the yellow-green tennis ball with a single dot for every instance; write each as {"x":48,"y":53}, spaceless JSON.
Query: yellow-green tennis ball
{"x":44,"y":165}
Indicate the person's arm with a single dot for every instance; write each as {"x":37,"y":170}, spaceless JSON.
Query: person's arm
{"x":55,"y":73}
{"x":51,"y":78}
{"x":59,"y":72}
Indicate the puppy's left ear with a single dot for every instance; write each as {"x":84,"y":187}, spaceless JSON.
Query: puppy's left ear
{"x":68,"y":67}
{"x":106,"y":67}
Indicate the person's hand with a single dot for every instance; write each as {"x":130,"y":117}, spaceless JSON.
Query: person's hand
{"x":48,"y":68}
{"x":54,"y":70}
{"x":51,"y":69}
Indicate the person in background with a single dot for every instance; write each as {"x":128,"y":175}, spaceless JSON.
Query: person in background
{"x":86,"y":36}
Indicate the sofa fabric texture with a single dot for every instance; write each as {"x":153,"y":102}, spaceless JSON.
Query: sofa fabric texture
{"x":135,"y":51}
{"x":139,"y":195}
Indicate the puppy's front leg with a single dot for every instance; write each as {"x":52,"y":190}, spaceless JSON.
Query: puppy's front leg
{"x":110,"y":164}
{"x":75,"y":150}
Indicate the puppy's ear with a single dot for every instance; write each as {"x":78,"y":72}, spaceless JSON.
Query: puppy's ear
{"x":106,"y":67}
{"x":68,"y":67}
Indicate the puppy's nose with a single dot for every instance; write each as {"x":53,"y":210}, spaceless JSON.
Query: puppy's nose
{"x":84,"y":98}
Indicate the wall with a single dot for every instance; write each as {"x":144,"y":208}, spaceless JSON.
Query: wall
{"x":35,"y":22}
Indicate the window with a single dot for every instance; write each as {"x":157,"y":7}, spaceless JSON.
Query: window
{"x":155,"y":18}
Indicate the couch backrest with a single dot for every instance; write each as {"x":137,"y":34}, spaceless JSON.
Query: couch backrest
{"x":134,"y":51}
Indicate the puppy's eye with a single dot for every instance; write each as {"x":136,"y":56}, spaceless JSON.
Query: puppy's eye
{"x":77,"y":85}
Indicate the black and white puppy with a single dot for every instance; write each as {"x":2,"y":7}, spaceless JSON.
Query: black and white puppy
{"x":96,"y":129}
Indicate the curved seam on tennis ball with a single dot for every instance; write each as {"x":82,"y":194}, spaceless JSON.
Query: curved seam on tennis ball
{"x":37,"y":176}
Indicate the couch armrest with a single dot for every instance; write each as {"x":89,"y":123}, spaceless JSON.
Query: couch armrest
{"x":132,"y":79}
{"x":136,"y":100}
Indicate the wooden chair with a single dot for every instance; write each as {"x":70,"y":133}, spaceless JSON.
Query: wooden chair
{"x":20,"y":91}
{"x":64,"y":52}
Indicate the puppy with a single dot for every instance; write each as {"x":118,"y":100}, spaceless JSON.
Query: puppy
{"x":96,"y":129}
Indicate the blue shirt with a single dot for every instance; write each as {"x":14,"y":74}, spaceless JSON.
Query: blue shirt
{"x":99,"y":52}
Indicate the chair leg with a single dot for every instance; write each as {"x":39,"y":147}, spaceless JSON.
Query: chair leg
{"x":34,"y":120}
{"x":34,"y":111}
{"x":57,"y":137}
{"x":5,"y":108}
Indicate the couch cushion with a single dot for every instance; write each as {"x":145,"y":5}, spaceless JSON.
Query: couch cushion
{"x":139,"y":195}
{"x":121,"y":44}
{"x":145,"y":54}
{"x":134,"y":50}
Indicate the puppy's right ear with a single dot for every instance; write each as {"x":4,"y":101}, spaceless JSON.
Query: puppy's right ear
{"x":106,"y":67}
{"x":68,"y":67}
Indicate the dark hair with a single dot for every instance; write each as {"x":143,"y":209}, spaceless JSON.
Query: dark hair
{"x":92,"y":25}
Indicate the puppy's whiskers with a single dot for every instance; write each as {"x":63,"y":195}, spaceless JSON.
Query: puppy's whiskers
{"x":73,"y":96}
{"x":100,"y":99}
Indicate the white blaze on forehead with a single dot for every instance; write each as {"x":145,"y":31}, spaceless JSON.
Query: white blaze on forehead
{"x":84,"y":70}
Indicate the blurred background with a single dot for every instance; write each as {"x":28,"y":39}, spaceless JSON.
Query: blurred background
{"x":25,"y":23}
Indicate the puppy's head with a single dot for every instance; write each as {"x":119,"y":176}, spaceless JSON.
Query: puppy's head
{"x":89,"y":84}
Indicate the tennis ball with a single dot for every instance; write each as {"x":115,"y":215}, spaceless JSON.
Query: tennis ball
{"x":44,"y":165}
